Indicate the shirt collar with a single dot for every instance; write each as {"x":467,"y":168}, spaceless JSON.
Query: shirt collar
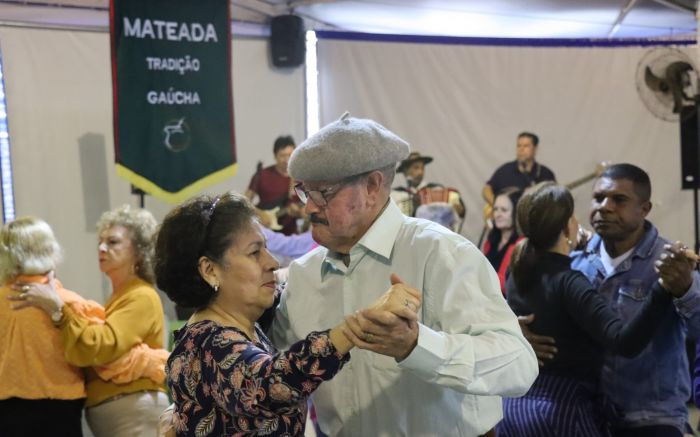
{"x":378,"y":239}
{"x":643,"y":249}
{"x":533,"y":170}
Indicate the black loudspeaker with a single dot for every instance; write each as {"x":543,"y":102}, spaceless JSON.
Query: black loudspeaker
{"x":287,"y":41}
{"x":690,"y":148}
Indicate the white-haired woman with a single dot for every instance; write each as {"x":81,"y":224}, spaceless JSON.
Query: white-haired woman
{"x":40,"y":393}
{"x":133,"y":315}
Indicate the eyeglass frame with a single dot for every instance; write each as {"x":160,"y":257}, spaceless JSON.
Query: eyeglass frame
{"x":325,"y":195}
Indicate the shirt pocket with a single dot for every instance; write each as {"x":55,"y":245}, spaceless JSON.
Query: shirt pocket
{"x":631,"y":296}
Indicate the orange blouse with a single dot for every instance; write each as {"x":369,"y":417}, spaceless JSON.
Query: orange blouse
{"x":32,"y":362}
{"x":140,"y":361}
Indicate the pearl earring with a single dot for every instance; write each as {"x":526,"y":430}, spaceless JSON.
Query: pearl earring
{"x":216,"y":288}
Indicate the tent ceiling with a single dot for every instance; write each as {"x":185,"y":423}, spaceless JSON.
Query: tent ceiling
{"x":482,"y":18}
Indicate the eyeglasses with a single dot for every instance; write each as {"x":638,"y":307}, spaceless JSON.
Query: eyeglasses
{"x":321,"y":197}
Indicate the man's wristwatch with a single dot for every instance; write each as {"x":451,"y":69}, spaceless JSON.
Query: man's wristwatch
{"x":57,"y":315}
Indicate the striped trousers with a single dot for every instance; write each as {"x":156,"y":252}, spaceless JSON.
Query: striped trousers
{"x":554,"y":407}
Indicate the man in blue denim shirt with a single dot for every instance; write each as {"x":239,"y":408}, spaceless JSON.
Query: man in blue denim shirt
{"x":650,"y":390}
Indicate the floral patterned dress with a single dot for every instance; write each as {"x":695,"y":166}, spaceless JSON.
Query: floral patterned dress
{"x":225,"y":384}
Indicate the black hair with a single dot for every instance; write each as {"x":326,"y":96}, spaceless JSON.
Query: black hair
{"x":281,"y":142}
{"x":638,"y":177}
{"x":534,"y":138}
{"x":202,"y":226}
{"x":542,"y":214}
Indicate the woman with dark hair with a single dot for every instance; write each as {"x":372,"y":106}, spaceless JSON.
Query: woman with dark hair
{"x":225,"y":376}
{"x":504,"y":236}
{"x":564,"y":400}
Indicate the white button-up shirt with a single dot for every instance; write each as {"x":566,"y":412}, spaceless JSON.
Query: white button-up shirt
{"x":470,"y":348}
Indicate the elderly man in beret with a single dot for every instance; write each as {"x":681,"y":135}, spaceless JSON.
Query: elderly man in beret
{"x":441,"y":376}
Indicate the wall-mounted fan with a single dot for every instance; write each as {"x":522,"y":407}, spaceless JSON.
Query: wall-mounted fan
{"x":667,"y":81}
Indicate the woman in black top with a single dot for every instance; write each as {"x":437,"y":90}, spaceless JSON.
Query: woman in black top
{"x":502,"y":238}
{"x":564,"y":400}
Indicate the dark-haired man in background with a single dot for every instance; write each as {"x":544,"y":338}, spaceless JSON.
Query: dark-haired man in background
{"x":521,"y":173}
{"x":275,"y":191}
{"x":623,"y":260}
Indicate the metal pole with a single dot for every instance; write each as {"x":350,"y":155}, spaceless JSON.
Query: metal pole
{"x":142,"y":195}
{"x":695,"y":214}
{"x":620,"y":17}
{"x":676,"y":5}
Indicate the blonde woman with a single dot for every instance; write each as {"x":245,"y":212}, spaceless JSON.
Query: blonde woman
{"x":133,"y":315}
{"x":40,"y":393}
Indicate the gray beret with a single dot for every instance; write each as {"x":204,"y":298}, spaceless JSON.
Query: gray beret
{"x":344,"y":148}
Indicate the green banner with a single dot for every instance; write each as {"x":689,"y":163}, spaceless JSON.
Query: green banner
{"x":172,"y":99}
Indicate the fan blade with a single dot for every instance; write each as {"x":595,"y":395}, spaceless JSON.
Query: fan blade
{"x":677,"y":72}
{"x":655,"y":83}
{"x":678,"y":78}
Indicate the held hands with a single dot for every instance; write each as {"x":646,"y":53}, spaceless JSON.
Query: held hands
{"x":675,"y":267}
{"x":399,"y":299}
{"x":389,"y":326}
{"x":42,"y":296}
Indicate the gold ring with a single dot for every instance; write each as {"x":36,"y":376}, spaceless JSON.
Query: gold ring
{"x":369,"y":337}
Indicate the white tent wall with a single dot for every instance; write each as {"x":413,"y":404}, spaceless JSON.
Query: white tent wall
{"x":461,"y":104}
{"x":465,"y":104}
{"x":58,"y":86}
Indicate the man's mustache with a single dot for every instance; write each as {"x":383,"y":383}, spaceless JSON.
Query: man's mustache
{"x":316,"y":219}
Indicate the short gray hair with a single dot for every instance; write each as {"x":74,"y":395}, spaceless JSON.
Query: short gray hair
{"x":27,"y":247}
{"x":141,"y":226}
